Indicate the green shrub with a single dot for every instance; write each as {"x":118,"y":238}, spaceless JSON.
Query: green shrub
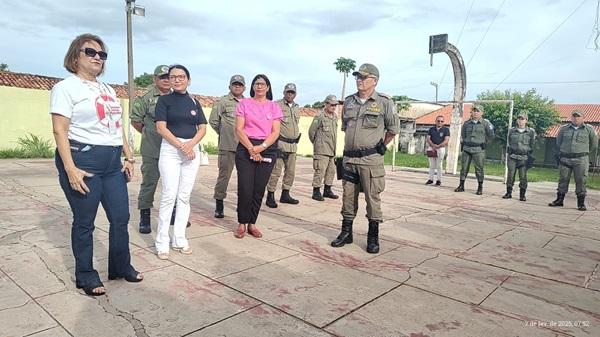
{"x":36,"y":147}
{"x":210,"y":148}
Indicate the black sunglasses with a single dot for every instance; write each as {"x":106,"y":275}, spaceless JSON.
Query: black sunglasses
{"x":91,"y":52}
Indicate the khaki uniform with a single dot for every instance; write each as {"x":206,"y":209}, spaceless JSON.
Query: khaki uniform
{"x":143,"y":112}
{"x":323,"y":134}
{"x":520,"y":146}
{"x":222,"y":120}
{"x":287,"y":151}
{"x":475,"y":135}
{"x":365,"y":124}
{"x":575,"y":146}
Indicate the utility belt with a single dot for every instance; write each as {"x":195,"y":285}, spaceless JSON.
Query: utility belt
{"x":573,"y":155}
{"x":290,"y":140}
{"x":470,"y":144}
{"x":379,"y":148}
{"x":517,"y":152}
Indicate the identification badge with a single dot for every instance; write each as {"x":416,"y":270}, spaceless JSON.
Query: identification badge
{"x":112,"y":127}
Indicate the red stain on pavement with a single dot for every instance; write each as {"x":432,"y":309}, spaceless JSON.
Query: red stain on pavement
{"x":443,"y":326}
{"x":418,"y":334}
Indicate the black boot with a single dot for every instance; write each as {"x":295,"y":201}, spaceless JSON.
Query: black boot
{"x":317,"y":194}
{"x":271,"y":200}
{"x":173,"y":217}
{"x":559,"y":200}
{"x":373,"y":237}
{"x":581,"y":203}
{"x":479,"y":188}
{"x":461,"y":187}
{"x":508,"y":194}
{"x":145,"y":227}
{"x":522,"y":194}
{"x":219,"y":209}
{"x":345,"y":236}
{"x":328,"y":193}
{"x":286,"y":198}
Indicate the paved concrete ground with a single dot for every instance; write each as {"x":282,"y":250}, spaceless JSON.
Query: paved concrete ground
{"x":451,"y":264}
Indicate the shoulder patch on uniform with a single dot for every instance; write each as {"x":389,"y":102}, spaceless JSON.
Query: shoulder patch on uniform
{"x":384,"y":95}
{"x":137,"y":104}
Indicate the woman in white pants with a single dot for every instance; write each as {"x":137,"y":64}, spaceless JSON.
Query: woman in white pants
{"x":182,"y":124}
{"x":438,"y":137}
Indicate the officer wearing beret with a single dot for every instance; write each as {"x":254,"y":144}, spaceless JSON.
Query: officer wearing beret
{"x":370,"y":122}
{"x":476,"y":133}
{"x":222,"y":120}
{"x":323,"y":134}
{"x":576,"y":144}
{"x":521,"y":140}
{"x":287,"y":144}
{"x":142,"y":119}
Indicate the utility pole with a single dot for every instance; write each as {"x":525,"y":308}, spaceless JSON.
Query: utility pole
{"x":135,"y":10}
{"x":436,"y":89}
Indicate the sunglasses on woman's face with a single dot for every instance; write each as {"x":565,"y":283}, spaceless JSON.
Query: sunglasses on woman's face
{"x":91,"y":52}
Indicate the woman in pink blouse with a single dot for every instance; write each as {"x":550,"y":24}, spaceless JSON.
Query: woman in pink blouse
{"x":257,"y":126}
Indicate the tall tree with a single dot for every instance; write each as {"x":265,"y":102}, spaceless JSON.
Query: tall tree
{"x":344,"y":66}
{"x":541,"y":112}
{"x":4,"y":67}
{"x":144,"y":80}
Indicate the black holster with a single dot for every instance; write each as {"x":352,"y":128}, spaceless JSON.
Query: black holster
{"x":339,"y":167}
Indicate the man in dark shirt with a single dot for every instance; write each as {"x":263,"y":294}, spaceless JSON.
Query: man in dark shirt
{"x":438,"y":137}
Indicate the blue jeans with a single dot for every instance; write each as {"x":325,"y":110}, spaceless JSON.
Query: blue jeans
{"x":107,"y":186}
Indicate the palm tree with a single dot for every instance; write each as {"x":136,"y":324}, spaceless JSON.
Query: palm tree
{"x":344,"y":66}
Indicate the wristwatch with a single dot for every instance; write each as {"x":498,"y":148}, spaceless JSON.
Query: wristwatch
{"x":264,"y":145}
{"x":131,"y":160}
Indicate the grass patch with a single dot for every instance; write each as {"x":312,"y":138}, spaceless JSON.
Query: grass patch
{"x":535,"y":174}
{"x":30,"y":146}
{"x":210,"y":148}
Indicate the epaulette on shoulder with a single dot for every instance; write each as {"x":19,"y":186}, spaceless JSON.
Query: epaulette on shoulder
{"x":385,"y":95}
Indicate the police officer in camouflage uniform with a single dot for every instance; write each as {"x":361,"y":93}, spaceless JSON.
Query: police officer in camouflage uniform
{"x":370,"y":122}
{"x":142,"y":119}
{"x":289,"y":136}
{"x":476,"y":133}
{"x":222,"y":120}
{"x":323,"y":134}
{"x":521,"y":140}
{"x":576,"y":144}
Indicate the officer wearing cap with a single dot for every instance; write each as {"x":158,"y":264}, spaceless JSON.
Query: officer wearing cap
{"x":222,"y":120}
{"x":287,"y":145}
{"x":142,"y":119}
{"x":476,"y":133}
{"x":323,"y":134}
{"x":370,"y":122}
{"x":521,"y":139}
{"x":576,"y":144}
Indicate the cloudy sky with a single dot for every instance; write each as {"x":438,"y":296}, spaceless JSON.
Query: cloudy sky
{"x":298,"y":41}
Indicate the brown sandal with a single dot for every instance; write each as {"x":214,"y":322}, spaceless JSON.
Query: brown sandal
{"x":240,"y":231}
{"x":252,"y":230}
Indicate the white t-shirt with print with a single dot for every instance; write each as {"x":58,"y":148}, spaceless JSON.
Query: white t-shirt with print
{"x":94,"y":110}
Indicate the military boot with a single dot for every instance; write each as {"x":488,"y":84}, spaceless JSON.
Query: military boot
{"x":508,"y":194}
{"x":286,"y":198}
{"x":559,"y":200}
{"x":328,"y":193}
{"x":581,"y":203}
{"x":219,"y":209}
{"x":461,"y":187}
{"x":479,"y":188}
{"x":522,"y":194}
{"x":271,"y":200}
{"x":373,"y":237}
{"x":145,"y":227}
{"x":317,"y":194}
{"x":345,"y":235}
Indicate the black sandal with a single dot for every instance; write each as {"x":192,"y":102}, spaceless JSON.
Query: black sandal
{"x":90,"y":290}
{"x":131,"y":277}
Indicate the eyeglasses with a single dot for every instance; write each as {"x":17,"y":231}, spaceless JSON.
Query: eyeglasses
{"x":260,"y":84}
{"x":177,"y":77}
{"x":439,"y":121}
{"x":91,"y":52}
{"x":363,"y":78}
{"x":163,"y":77}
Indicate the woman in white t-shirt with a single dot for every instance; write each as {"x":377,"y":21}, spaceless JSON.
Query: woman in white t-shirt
{"x":88,"y":129}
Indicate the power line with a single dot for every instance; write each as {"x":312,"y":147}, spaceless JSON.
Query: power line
{"x":486,"y":32}
{"x":542,"y":82}
{"x":540,"y":44}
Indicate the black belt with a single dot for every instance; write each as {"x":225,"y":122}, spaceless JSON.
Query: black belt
{"x":573,"y":155}
{"x":360,"y":153}
{"x":469,"y":144}
{"x":290,"y":140}
{"x":517,"y":152}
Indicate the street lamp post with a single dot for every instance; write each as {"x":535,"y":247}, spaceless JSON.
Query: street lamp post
{"x":436,"y":89}
{"x":135,"y":10}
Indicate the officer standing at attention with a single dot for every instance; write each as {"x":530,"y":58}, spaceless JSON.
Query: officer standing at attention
{"x":520,"y":148}
{"x":222,"y":120}
{"x":370,"y":122}
{"x":289,"y":137}
{"x":476,"y":133}
{"x":576,"y":144}
{"x":323,"y":135}
{"x":142,"y":119}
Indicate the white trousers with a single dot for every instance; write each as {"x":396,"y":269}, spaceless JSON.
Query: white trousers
{"x":177,"y":175}
{"x":436,"y":164}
